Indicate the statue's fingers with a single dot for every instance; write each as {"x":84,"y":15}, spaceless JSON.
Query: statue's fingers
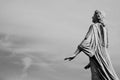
{"x":66,"y":59}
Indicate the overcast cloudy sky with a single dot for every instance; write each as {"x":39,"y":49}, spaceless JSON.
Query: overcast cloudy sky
{"x":36,"y":35}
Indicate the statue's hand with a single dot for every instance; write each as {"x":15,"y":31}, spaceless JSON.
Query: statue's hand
{"x":70,"y":58}
{"x":87,"y":66}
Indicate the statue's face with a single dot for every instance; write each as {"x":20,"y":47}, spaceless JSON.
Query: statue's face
{"x":94,"y":18}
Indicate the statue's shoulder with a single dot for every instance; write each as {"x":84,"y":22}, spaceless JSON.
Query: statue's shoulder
{"x":92,"y":26}
{"x":96,"y":25}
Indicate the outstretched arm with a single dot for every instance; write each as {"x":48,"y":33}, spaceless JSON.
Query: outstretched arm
{"x":84,"y":46}
{"x":78,"y":50}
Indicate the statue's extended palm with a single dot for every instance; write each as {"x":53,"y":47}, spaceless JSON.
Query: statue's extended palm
{"x":70,"y":58}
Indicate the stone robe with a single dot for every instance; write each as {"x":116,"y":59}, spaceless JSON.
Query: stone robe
{"x":95,"y":46}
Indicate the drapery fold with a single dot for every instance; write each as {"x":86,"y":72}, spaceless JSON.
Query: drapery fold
{"x":95,"y":46}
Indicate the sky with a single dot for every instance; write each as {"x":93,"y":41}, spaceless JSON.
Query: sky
{"x":36,"y":36}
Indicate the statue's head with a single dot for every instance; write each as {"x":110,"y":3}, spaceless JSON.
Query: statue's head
{"x":98,"y":17}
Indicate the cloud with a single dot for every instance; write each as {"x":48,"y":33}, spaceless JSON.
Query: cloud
{"x":27,"y":62}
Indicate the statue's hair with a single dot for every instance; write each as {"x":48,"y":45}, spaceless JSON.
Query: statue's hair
{"x":100,"y":17}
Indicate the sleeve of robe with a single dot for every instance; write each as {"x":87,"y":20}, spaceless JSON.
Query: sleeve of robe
{"x":88,"y":44}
